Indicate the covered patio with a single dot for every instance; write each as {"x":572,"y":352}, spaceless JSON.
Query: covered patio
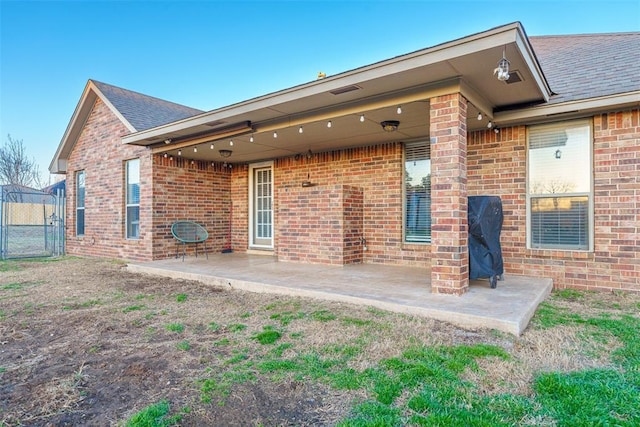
{"x":508,"y":308}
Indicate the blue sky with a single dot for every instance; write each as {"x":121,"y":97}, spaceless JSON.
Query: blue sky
{"x":208,"y":54}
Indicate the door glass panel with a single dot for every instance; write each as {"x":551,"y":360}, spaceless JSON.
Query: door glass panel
{"x":262,"y":215}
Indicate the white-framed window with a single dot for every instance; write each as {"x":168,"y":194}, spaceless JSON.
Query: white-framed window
{"x":560,"y":186}
{"x":132,"y":197}
{"x":417,"y":192}
{"x":80,"y":201}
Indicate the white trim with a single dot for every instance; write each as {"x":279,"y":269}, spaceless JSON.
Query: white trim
{"x":252,"y":167}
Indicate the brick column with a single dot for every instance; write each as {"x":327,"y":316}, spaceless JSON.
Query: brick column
{"x":449,"y":251}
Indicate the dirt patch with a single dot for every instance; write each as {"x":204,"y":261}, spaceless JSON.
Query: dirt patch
{"x":85,"y":342}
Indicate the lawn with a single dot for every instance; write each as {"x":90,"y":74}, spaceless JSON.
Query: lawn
{"x":83,"y":341}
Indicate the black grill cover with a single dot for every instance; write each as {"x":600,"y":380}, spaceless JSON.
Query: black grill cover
{"x":485,"y":225}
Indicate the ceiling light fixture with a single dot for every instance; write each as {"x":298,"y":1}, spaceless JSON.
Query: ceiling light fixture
{"x":390,"y":125}
{"x":225,"y":153}
{"x":212,"y":146}
{"x":231,"y":142}
{"x":490,"y":124}
{"x":167,"y":141}
{"x":558,"y":154}
{"x":179,"y":152}
{"x":503,"y":68}
{"x":399,"y":110}
{"x":166,"y":155}
{"x":479,"y":116}
{"x":496,"y":130}
{"x":195,"y":149}
{"x":362,"y":118}
{"x":275,"y":134}
{"x":329,"y":124}
{"x":300,"y":129}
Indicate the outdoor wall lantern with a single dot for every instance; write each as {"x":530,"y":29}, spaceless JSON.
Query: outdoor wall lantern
{"x":558,"y":154}
{"x":503,"y":68}
{"x":390,"y":125}
{"x":225,"y":153}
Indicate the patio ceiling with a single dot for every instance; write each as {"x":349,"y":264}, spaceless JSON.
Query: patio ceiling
{"x":375,"y":91}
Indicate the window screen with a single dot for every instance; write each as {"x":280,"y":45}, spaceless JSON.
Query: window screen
{"x":559,"y":185}
{"x":417,"y":192}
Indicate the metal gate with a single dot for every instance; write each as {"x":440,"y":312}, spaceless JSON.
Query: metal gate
{"x":31,"y":223}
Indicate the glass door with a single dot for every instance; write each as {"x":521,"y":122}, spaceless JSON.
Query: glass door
{"x":262,"y":207}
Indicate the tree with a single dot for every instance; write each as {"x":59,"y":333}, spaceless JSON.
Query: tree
{"x":16,"y":168}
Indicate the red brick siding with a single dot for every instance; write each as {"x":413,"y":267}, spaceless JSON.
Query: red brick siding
{"x":320,"y":224}
{"x":101,"y":154}
{"x":378,"y":171}
{"x":497,"y":166}
{"x":449,"y":252}
{"x":190,"y":190}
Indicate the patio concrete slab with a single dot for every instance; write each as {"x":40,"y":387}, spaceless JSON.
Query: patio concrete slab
{"x":507,"y":308}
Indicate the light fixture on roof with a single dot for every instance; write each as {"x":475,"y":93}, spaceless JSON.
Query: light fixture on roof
{"x":399,"y":110}
{"x":225,"y":153}
{"x":558,"y":154}
{"x":167,"y":141}
{"x":390,"y":125}
{"x":503,"y":68}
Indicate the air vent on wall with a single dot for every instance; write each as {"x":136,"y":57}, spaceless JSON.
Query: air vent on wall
{"x":514,"y":77}
{"x":345,"y":89}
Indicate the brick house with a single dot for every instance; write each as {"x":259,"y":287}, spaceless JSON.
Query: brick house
{"x":375,"y":165}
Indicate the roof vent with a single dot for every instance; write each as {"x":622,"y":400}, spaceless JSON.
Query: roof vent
{"x":514,"y":77}
{"x":345,"y":89}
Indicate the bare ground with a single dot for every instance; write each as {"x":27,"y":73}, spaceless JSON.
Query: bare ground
{"x":84,"y":342}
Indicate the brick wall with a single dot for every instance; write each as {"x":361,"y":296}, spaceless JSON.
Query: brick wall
{"x":190,"y":190}
{"x":449,"y":231}
{"x":320,"y":224}
{"x":378,"y":171}
{"x":101,"y":154}
{"x":497,"y":166}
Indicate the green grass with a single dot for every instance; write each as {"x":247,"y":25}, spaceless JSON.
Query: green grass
{"x":174,"y":327}
{"x":267,"y":336}
{"x":236,"y":327}
{"x":183,"y":345}
{"x":18,"y":286}
{"x":133,"y":308}
{"x":181,"y":297}
{"x":81,"y":305}
{"x":156,"y":415}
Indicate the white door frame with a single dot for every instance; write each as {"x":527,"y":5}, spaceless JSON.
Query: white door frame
{"x":252,"y":219}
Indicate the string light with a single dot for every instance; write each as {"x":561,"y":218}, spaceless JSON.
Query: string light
{"x":195,"y":149}
{"x":179,"y":152}
{"x":165,"y":155}
{"x":211,"y":146}
{"x":362,"y":118}
{"x":329,"y":124}
{"x":479,"y":116}
{"x":251,"y":138}
{"x":275,"y":134}
{"x":231,"y":143}
{"x":490,"y":124}
{"x":399,"y":110}
{"x":300,"y":129}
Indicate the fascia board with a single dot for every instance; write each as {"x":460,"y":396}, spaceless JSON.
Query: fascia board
{"x":566,"y":109}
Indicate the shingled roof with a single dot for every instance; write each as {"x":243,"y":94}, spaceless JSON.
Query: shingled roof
{"x":589,"y":65}
{"x":143,"y":111}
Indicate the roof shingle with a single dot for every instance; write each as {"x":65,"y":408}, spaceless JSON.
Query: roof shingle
{"x":589,"y":65}
{"x":142,"y":111}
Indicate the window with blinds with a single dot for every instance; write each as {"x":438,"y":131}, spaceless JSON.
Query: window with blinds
{"x":80,"y":197}
{"x":417,"y":192}
{"x":559,"y":186}
{"x":132,"y":196}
